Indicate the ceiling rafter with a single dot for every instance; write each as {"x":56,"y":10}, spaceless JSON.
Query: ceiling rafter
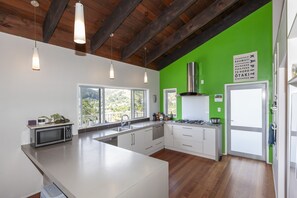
{"x":156,"y":26}
{"x":197,"y":22}
{"x":53,"y":17}
{"x":121,"y":12}
{"x":228,"y":21}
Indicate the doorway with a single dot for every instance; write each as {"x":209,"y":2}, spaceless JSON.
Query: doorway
{"x":246,"y":120}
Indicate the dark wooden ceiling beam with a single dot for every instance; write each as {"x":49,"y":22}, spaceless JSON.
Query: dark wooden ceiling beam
{"x":156,"y":26}
{"x":249,"y":7}
{"x":53,"y":17}
{"x":197,"y":22}
{"x":121,"y":12}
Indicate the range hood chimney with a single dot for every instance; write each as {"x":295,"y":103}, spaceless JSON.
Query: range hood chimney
{"x":192,"y":81}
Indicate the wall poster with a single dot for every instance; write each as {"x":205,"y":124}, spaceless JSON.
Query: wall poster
{"x":245,"y":67}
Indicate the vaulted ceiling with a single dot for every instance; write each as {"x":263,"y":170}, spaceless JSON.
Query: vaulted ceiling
{"x":167,"y":28}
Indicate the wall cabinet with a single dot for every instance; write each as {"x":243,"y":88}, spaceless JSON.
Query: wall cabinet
{"x":200,"y":141}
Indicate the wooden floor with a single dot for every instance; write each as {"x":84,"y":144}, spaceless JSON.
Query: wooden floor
{"x":233,"y":177}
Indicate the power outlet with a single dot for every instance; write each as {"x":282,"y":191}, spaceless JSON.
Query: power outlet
{"x":219,"y":109}
{"x":202,"y":82}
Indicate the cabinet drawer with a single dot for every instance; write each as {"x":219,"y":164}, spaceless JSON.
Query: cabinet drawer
{"x":188,"y":133}
{"x":189,"y":145}
{"x":159,"y":143}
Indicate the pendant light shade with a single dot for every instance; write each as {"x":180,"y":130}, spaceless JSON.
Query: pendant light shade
{"x":35,"y":57}
{"x":35,"y":60}
{"x":145,"y":78}
{"x":79,"y":24}
{"x":111,"y":71}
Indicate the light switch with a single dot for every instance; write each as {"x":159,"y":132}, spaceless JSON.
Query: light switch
{"x":219,"y":109}
{"x":202,"y":82}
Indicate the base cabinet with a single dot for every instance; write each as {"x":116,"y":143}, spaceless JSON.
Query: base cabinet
{"x":209,"y":142}
{"x":200,"y":141}
{"x":168,"y":135}
{"x":141,"y":141}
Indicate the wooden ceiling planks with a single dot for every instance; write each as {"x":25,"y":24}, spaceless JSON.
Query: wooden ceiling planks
{"x":17,"y":17}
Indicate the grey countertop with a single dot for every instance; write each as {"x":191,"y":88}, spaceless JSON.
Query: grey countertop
{"x":85,"y":167}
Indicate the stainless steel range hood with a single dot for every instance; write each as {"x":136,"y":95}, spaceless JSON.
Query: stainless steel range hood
{"x":192,"y":81}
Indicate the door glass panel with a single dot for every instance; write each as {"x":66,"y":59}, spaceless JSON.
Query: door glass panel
{"x":246,"y":142}
{"x":294,"y":112}
{"x":246,"y":108}
{"x":293,"y":149}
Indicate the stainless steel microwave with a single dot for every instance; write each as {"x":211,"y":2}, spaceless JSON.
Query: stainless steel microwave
{"x":47,"y":135}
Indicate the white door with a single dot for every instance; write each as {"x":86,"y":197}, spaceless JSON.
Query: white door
{"x":246,"y":120}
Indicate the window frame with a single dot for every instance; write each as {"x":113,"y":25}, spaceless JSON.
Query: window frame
{"x":165,"y":101}
{"x":102,"y":103}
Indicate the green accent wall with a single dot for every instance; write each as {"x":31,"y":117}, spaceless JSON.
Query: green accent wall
{"x":215,"y":60}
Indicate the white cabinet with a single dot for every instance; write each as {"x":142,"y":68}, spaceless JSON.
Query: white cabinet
{"x":196,"y":140}
{"x":168,"y":135}
{"x":209,"y":140}
{"x":148,"y":141}
{"x":139,"y":141}
{"x":125,"y":141}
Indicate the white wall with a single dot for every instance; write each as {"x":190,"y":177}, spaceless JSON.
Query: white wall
{"x":25,"y":95}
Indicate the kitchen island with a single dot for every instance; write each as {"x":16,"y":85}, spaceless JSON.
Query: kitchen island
{"x":85,"y":167}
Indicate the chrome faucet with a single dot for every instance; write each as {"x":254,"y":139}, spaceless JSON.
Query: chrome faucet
{"x":123,"y":123}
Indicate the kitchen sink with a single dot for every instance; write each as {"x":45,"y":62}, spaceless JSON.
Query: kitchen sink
{"x":120,"y":129}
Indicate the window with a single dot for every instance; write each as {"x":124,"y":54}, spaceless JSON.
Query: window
{"x":170,"y":102}
{"x":99,"y":105}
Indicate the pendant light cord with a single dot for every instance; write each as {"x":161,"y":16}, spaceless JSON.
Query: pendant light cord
{"x":111,"y":51}
{"x":35,"y":25}
{"x":145,"y":58}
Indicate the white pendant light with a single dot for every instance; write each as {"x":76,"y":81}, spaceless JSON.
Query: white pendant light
{"x":35,"y":57}
{"x":145,"y":79}
{"x":79,"y":24}
{"x":111,"y":70}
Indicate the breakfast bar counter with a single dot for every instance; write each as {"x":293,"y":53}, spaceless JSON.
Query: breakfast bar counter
{"x":85,"y":167}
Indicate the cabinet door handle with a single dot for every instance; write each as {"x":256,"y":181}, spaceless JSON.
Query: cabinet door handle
{"x":187,"y":128}
{"x":149,"y":147}
{"x":171,"y":130}
{"x":187,"y":145}
{"x":158,"y":143}
{"x":203,"y":134}
{"x":131,"y":139}
{"x":187,"y":135}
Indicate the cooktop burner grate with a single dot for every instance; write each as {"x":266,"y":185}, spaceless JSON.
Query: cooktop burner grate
{"x":200,"y":122}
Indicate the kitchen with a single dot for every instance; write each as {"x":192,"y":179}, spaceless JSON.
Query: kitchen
{"x":55,"y":88}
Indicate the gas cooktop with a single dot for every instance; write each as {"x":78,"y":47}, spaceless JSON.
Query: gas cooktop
{"x":200,"y":122}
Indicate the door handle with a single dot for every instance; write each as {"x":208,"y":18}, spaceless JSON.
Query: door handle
{"x":186,"y":128}
{"x":131,"y":139}
{"x":203,"y":134}
{"x":187,"y":145}
{"x":149,"y":147}
{"x":187,"y":135}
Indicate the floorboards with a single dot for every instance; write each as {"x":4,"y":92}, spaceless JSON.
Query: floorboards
{"x":232,"y":177}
